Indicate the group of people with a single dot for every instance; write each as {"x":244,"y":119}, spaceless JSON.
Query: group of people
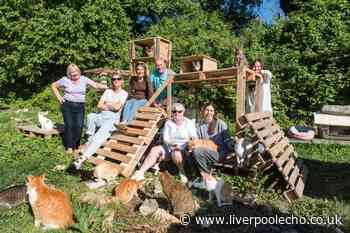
{"x":117,"y":107}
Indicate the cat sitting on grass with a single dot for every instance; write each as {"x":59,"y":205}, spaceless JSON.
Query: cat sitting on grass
{"x":51,"y":207}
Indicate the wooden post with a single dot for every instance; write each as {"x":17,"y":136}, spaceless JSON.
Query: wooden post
{"x":240,"y":94}
{"x":258,"y":94}
{"x":169,"y":99}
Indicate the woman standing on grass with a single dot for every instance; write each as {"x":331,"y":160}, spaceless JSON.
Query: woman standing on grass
{"x":73,"y":104}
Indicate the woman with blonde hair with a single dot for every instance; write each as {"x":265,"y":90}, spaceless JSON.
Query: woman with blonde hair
{"x":73,"y":104}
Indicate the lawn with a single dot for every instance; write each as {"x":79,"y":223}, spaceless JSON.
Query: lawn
{"x":326,"y":192}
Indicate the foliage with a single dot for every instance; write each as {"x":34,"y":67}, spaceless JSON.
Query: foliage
{"x":37,"y":42}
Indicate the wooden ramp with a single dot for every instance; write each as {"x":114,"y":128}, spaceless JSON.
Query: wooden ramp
{"x":34,"y":131}
{"x":279,"y":153}
{"x":124,"y":149}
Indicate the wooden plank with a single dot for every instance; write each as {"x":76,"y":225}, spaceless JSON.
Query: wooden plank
{"x":114,"y":155}
{"x":146,"y":116}
{"x":124,"y":138}
{"x":278,"y":148}
{"x":293,"y":177}
{"x":268,"y":142}
{"x":240,"y":94}
{"x":299,"y":187}
{"x":253,"y":116}
{"x":334,"y":120}
{"x":121,"y":147}
{"x":145,"y":124}
{"x":149,"y":110}
{"x":130,"y":167}
{"x":137,"y":132}
{"x":258,"y":125}
{"x":285,"y":156}
{"x":37,"y":130}
{"x":268,"y":131}
{"x":288,"y":167}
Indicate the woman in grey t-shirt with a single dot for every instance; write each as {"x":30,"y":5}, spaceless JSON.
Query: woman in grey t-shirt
{"x":73,"y":104}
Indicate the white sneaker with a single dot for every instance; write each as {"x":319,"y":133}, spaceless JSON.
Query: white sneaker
{"x":199,"y":185}
{"x":138,"y":175}
{"x":79,"y":162}
{"x":183,"y":178}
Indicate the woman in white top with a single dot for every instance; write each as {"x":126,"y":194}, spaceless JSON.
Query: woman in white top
{"x":177,"y":132}
{"x":265,"y":98}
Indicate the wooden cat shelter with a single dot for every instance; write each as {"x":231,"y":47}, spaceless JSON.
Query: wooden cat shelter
{"x":33,"y":131}
{"x":279,"y":154}
{"x":125,"y":149}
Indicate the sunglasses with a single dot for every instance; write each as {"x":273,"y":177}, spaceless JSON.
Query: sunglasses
{"x":113,"y":79}
{"x":177,"y":111}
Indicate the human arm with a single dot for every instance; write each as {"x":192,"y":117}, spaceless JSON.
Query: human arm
{"x":166,"y":132}
{"x":55,"y":86}
{"x":96,"y":85}
{"x":267,"y":76}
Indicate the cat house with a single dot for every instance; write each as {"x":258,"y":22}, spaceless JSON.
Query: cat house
{"x":148,"y":50}
{"x":196,"y":63}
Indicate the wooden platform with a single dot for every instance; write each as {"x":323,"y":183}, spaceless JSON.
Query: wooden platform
{"x":124,"y":149}
{"x":279,"y":153}
{"x":34,"y":131}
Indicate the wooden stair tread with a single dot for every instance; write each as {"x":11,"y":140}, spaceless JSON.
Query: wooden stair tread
{"x":149,"y":110}
{"x":278,"y":148}
{"x":147,"y":116}
{"x":114,"y":155}
{"x":145,"y":124}
{"x":125,"y":138}
{"x":285,"y":156}
{"x":256,"y":116}
{"x":268,"y":131}
{"x":121,"y":147}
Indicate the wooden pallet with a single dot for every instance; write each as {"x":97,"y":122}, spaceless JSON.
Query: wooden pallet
{"x":124,"y":149}
{"x":279,"y":152}
{"x":34,"y":131}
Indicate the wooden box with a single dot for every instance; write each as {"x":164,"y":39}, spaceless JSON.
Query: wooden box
{"x":148,"y":50}
{"x":197,"y":63}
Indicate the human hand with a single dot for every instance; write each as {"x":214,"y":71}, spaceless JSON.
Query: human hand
{"x":60,"y":99}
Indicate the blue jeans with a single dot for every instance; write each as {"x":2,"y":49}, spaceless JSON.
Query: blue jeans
{"x":105,"y":122}
{"x":73,"y":116}
{"x":130,"y":108}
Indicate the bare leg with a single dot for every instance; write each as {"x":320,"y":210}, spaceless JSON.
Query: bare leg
{"x":157,"y":153}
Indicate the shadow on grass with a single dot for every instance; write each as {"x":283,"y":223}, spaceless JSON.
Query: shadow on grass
{"x":328,"y":180}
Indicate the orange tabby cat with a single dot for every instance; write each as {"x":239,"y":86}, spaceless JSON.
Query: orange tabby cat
{"x":126,"y":190}
{"x":106,"y":171}
{"x":202,"y":143}
{"x":179,"y":196}
{"x":51,"y":207}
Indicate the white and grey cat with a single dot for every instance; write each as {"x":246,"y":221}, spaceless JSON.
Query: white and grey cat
{"x":44,"y":122}
{"x":222,"y":191}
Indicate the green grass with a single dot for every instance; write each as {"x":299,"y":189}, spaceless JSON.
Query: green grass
{"x":326,"y":192}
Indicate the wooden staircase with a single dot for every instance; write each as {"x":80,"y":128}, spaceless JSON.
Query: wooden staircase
{"x":279,"y":153}
{"x":124,"y":149}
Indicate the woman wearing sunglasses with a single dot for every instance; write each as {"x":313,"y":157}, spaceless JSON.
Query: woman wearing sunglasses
{"x":177,"y":132}
{"x":73,"y":104}
{"x":110,"y":106}
{"x":140,"y":90}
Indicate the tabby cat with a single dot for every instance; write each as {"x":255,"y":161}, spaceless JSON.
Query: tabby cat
{"x":179,"y":196}
{"x":51,"y":207}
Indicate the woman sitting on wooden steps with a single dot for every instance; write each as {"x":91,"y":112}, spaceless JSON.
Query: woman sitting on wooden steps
{"x":140,"y":90}
{"x":110,"y":106}
{"x":177,"y":132}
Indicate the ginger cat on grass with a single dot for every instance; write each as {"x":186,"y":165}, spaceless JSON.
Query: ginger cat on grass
{"x":106,"y":171}
{"x":126,"y":190}
{"x":51,"y":207}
